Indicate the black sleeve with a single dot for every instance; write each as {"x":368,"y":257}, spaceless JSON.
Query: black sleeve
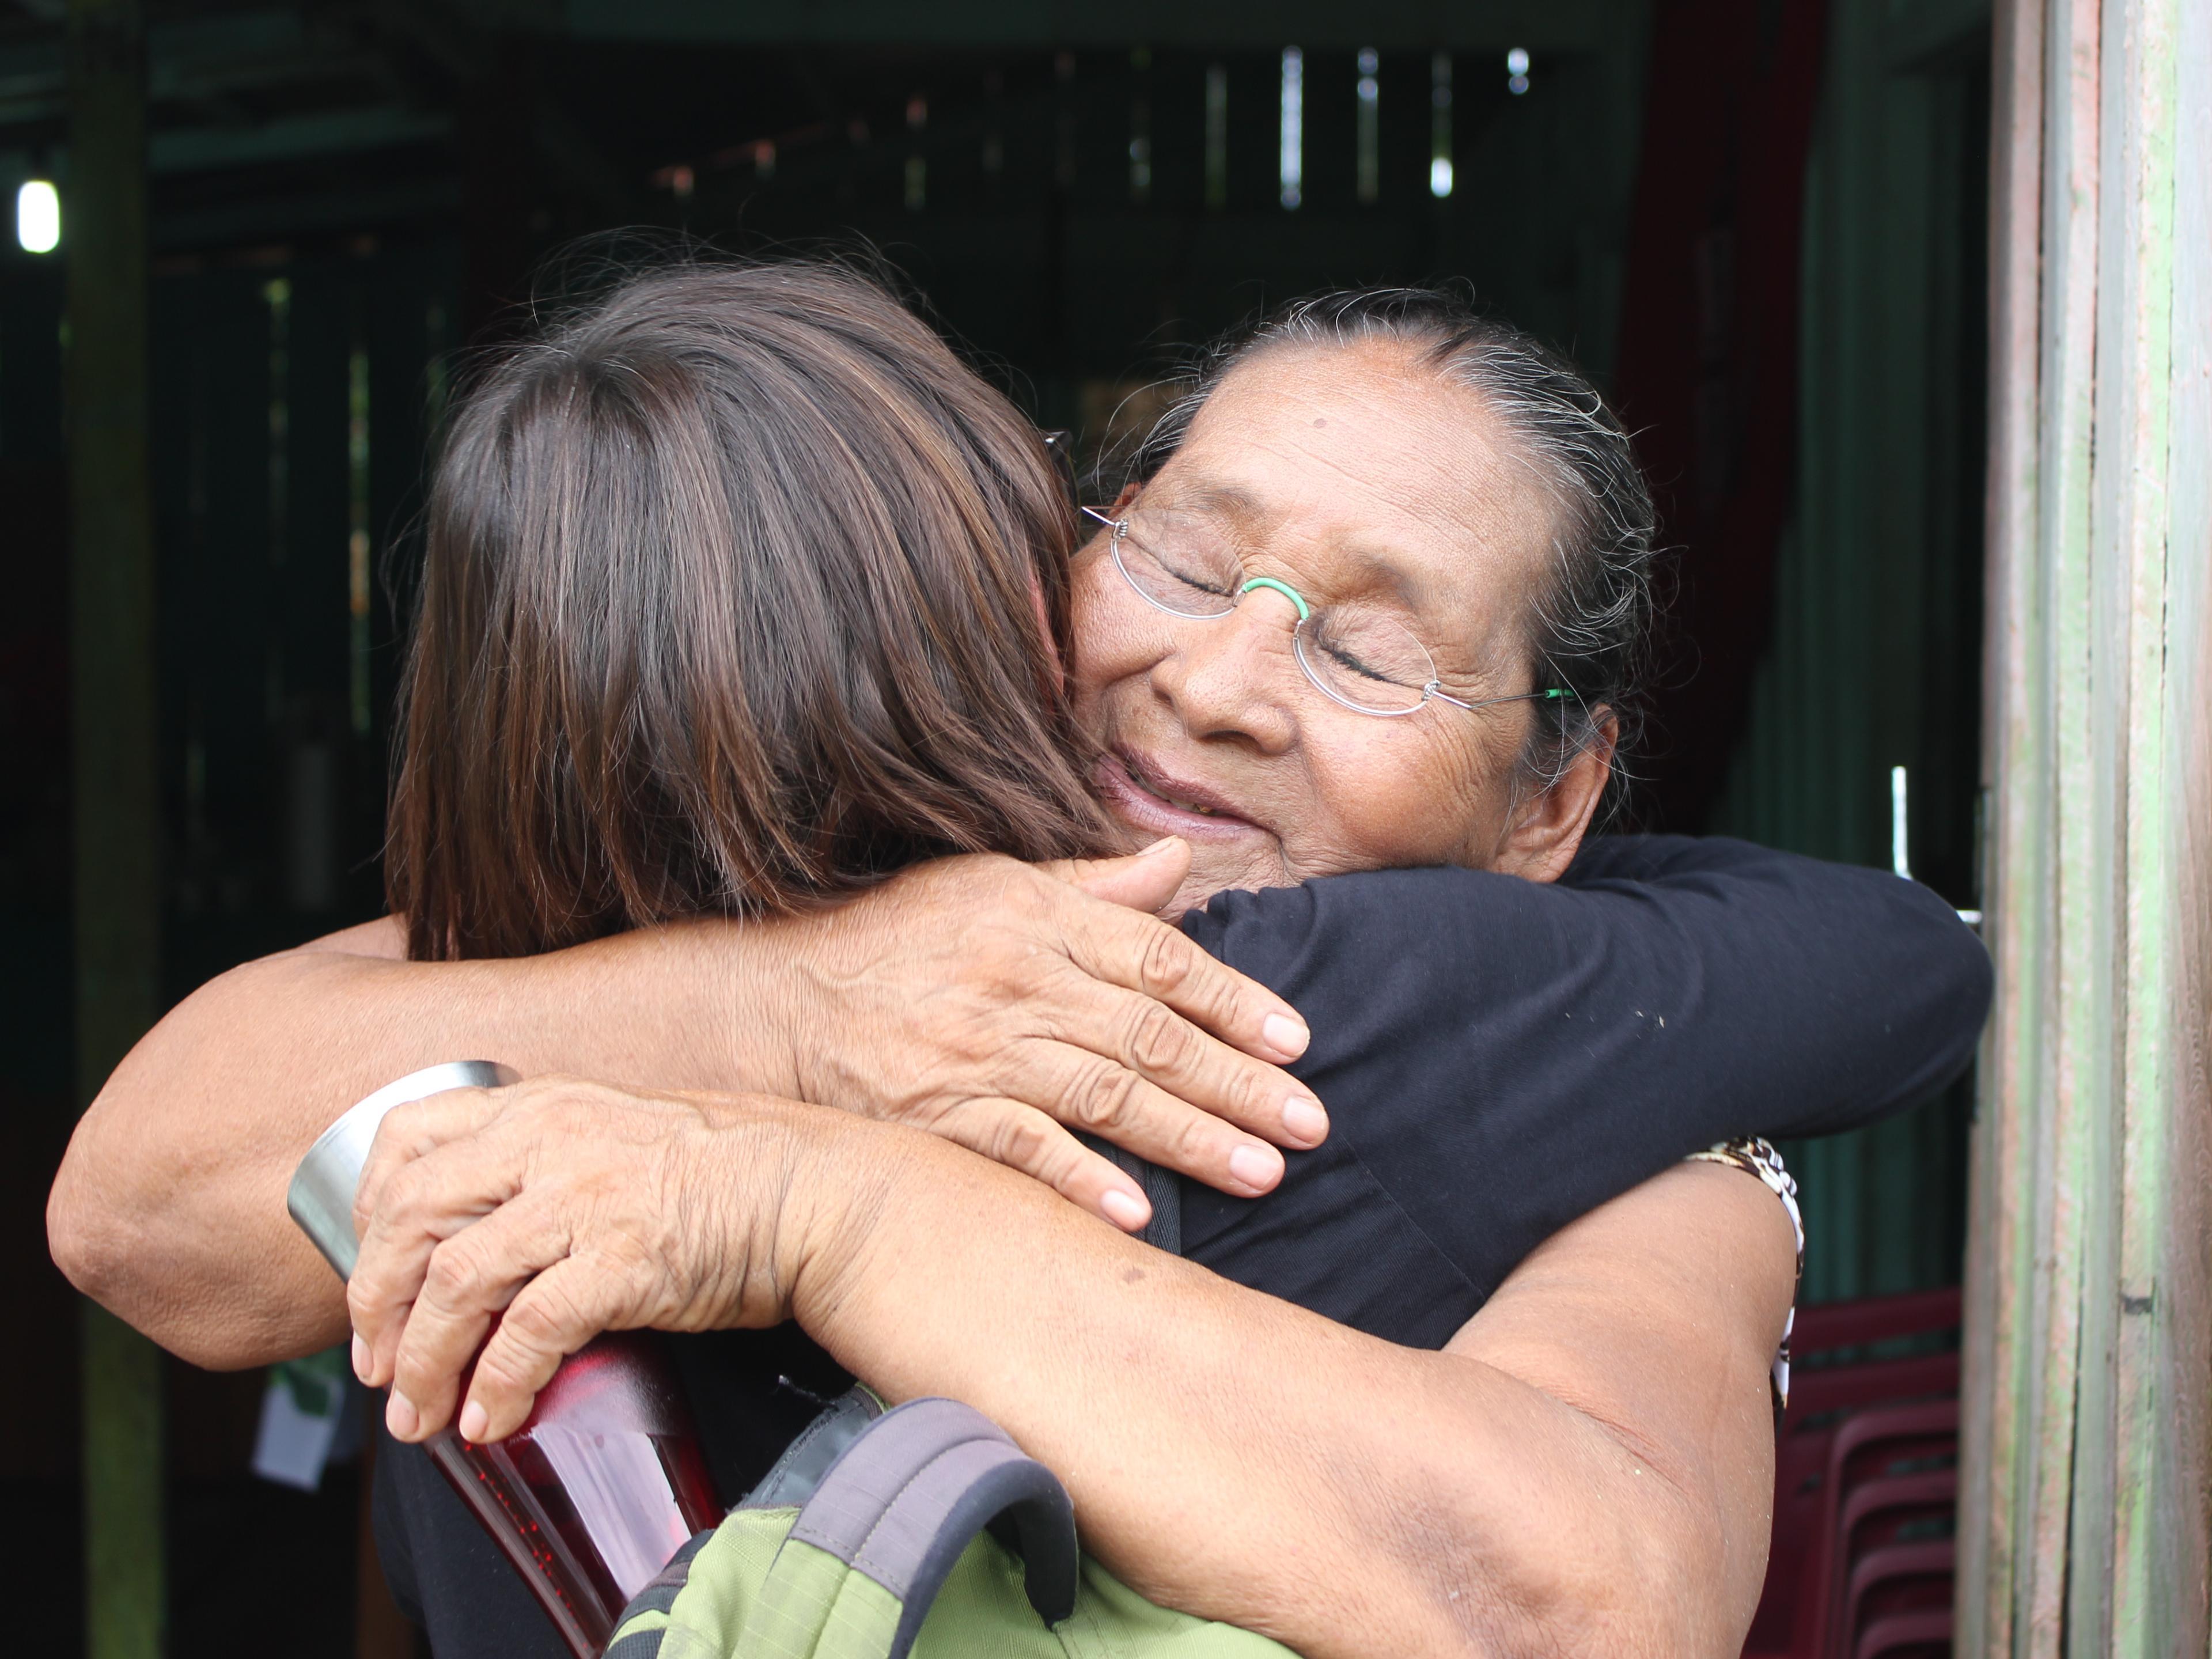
{"x":1488,"y":1044}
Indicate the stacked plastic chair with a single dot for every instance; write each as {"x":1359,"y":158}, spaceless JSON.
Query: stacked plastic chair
{"x":1866,"y":1485}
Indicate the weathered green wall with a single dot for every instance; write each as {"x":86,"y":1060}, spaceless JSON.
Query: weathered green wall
{"x":2084,"y":1485}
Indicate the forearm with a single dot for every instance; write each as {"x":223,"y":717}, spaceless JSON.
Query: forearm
{"x":169,"y":1207}
{"x":1667,"y":994}
{"x":982,"y":999}
{"x":1585,"y":1469}
{"x":1236,"y":1457}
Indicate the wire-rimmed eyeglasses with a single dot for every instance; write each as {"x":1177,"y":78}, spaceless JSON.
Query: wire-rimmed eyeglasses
{"x":1355,"y":654}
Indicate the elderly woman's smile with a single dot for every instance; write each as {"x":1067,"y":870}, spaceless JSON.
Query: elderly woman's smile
{"x":1146,"y":794}
{"x":1320,"y":484}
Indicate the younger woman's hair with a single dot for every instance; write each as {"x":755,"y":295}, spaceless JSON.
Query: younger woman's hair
{"x":741,"y":591}
{"x":1590,"y":633}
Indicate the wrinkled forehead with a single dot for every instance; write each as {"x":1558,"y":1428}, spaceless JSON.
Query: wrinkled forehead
{"x":1362,"y":458}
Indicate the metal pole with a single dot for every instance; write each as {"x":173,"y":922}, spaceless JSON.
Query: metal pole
{"x":116,"y":835}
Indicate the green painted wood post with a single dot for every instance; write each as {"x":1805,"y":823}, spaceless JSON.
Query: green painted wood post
{"x":2000,"y":1235}
{"x":2138,"y":108}
{"x":2086,"y":1452}
{"x":116,"y":825}
{"x":2166,"y":1530}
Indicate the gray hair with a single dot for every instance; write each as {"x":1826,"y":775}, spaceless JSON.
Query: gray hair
{"x":1590,"y":628}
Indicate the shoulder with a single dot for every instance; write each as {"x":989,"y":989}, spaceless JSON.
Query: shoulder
{"x":385,"y":937}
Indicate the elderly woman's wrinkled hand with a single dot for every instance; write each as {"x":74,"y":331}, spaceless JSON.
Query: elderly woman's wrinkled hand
{"x":548,"y":1212}
{"x":1004,"y":1006}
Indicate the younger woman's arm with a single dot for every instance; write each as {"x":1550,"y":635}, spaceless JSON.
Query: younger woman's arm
{"x":1665,"y":989}
{"x":1502,"y":1056}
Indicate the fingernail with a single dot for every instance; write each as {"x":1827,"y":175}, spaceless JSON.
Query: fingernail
{"x":1285,"y":1036}
{"x":1258,"y":1167}
{"x":474,"y":1419}
{"x":1125,"y":1209}
{"x":1164,"y":840}
{"x":1304,"y":1121}
{"x":361,"y":1358}
{"x":401,"y":1417}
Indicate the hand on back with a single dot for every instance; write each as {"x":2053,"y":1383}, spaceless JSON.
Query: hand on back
{"x":1004,"y":1006}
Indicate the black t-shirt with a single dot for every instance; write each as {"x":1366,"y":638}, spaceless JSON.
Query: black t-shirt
{"x":1498,"y":1058}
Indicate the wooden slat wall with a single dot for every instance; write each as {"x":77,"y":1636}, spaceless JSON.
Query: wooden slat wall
{"x":2172,"y":1539}
{"x":1995,"y":1355}
{"x":2083,"y":1521}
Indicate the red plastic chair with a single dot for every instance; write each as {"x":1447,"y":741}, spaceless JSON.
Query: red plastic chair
{"x":1907,"y":1636}
{"x":1821,"y":1403}
{"x":1794,"y":1618}
{"x":1878,"y":1455}
{"x":1829,"y":1325}
{"x":1897,"y":1578}
{"x":1895,"y":1440}
{"x":1876,"y":1514}
{"x":1879,"y":1511}
{"x":1818,"y":1396}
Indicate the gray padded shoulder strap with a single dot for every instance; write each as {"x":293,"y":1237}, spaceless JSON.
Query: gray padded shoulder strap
{"x":910,"y":1495}
{"x":819,"y":1445}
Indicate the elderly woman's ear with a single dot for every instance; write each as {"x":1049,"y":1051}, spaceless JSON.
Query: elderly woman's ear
{"x":1546,"y":829}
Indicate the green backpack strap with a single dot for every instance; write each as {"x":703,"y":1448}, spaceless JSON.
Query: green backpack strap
{"x":869,"y":1549}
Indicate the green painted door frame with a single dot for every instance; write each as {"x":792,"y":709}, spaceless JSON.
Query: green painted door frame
{"x":2086,"y":1448}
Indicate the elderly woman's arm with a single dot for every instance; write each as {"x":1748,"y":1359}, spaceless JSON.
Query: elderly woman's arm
{"x":978,"y":997}
{"x":1585,"y":1469}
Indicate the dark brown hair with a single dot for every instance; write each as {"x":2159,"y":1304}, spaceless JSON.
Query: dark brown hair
{"x":729,"y":605}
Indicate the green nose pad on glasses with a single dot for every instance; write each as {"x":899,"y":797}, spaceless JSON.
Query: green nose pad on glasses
{"x":1306,"y":610}
{"x":1283,"y":588}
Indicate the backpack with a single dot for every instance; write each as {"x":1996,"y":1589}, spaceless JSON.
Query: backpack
{"x":920,"y":1531}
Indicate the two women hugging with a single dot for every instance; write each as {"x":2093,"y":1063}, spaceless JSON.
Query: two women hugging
{"x":877,"y":867}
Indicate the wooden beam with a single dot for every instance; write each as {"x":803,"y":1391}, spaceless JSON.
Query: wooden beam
{"x":2088,"y":1452}
{"x":1227,"y":25}
{"x":116,"y":890}
{"x":2138,"y":107}
{"x":297,"y":137}
{"x":2000,"y":1238}
{"x":2178,"y":1513}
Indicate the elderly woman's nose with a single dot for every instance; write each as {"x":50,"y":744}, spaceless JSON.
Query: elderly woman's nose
{"x":1236,"y":675}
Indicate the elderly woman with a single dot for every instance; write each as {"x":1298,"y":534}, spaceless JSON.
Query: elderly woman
{"x":1370,"y":604}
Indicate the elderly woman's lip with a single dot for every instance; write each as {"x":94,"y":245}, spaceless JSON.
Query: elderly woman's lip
{"x":1140,"y":803}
